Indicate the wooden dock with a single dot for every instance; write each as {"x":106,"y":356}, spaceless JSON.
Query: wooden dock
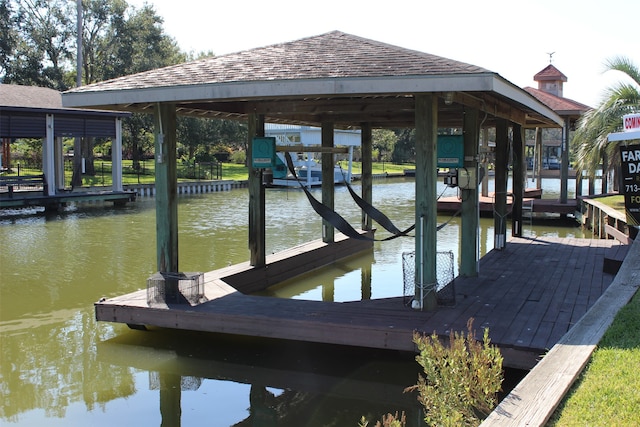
{"x":533,"y":401}
{"x":528,"y":295}
{"x":21,"y":199}
{"x":532,"y":198}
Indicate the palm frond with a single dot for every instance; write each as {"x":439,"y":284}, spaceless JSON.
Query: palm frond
{"x":593,"y":128}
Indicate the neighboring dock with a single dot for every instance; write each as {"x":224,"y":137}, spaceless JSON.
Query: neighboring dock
{"x":21,"y":199}
{"x":532,"y":202}
{"x":528,"y":295}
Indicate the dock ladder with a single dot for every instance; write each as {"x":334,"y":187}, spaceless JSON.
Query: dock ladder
{"x":527,"y":212}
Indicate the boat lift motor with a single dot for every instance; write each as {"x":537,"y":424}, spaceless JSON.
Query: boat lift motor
{"x":451,"y":178}
{"x":463,"y":178}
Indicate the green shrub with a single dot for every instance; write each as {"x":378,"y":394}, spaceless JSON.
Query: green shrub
{"x":460,"y":380}
{"x":239,"y":157}
{"x":387,"y":421}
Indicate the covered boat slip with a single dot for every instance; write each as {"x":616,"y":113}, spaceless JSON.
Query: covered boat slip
{"x":528,"y":295}
{"x":35,"y":112}
{"x":337,"y":80}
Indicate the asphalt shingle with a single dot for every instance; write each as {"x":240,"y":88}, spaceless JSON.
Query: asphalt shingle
{"x":331,"y":55}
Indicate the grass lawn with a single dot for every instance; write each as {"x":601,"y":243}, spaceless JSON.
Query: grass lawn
{"x":608,"y":390}
{"x":616,"y":202}
{"x":230,"y":171}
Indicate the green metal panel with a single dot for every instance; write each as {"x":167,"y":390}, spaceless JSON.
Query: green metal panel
{"x":450,"y":151}
{"x":263,"y":153}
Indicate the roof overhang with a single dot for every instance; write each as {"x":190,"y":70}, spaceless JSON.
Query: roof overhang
{"x":64,"y":111}
{"x":350,"y":101}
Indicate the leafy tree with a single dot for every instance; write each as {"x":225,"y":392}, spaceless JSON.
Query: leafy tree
{"x":38,"y":47}
{"x":45,"y":42}
{"x":102,"y":21}
{"x":8,"y":37}
{"x":595,"y":125}
{"x":384,"y":141}
{"x":405,"y":147}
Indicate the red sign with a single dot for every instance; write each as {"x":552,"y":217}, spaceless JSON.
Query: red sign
{"x":631,"y":122}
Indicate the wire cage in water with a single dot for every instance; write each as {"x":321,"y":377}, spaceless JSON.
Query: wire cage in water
{"x":165,"y":288}
{"x":445,"y":283}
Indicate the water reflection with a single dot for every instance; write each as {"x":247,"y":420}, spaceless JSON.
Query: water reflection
{"x":59,"y":367}
{"x":288,"y":384}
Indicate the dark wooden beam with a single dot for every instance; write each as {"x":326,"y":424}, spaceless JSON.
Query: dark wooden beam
{"x":518,"y":180}
{"x":501,"y":175}
{"x":366,"y":147}
{"x":257,"y":213}
{"x":328,"y":193}
{"x":564,"y":162}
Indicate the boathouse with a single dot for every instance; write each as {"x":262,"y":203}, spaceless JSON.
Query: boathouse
{"x":36,"y":112}
{"x":332,"y":81}
{"x":550,"y":92}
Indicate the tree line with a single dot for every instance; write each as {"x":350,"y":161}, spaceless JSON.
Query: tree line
{"x":39,"y":47}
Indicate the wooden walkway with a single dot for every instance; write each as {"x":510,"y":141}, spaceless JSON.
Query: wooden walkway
{"x":533,"y":401}
{"x":528,"y":295}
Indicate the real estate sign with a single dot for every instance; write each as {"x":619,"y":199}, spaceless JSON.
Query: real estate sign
{"x":630,"y":161}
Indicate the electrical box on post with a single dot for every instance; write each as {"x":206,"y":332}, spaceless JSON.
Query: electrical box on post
{"x":450,"y":151}
{"x":263,"y":152}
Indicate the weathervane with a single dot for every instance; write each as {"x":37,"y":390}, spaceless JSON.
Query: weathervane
{"x":550,"y":56}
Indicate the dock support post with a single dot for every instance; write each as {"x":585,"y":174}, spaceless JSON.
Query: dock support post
{"x":564,"y":159}
{"x":328,"y":184}
{"x":485,"y":151}
{"x":426,"y":126}
{"x":166,"y":192}
{"x":116,"y":157}
{"x":49,"y":158}
{"x":257,"y":210}
{"x":366,"y":145}
{"x":501,"y":176}
{"x":469,"y":254}
{"x":538,"y":162}
{"x":518,"y":180}
{"x":170,"y":396}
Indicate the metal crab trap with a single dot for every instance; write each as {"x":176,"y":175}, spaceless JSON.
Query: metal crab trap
{"x":445,"y":283}
{"x":175,"y":288}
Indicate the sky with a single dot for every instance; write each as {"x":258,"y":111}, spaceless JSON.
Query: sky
{"x":513,"y":38}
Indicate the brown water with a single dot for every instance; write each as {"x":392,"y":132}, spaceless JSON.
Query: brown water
{"x":59,"y":366}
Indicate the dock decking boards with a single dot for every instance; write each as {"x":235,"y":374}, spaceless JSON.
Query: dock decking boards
{"x":528,"y":295}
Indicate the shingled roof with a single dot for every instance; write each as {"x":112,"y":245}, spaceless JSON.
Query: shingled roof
{"x":23,"y":111}
{"x":549,"y":72}
{"x":29,"y":97}
{"x":331,"y":55}
{"x":562,"y":106}
{"x":327,"y":71}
